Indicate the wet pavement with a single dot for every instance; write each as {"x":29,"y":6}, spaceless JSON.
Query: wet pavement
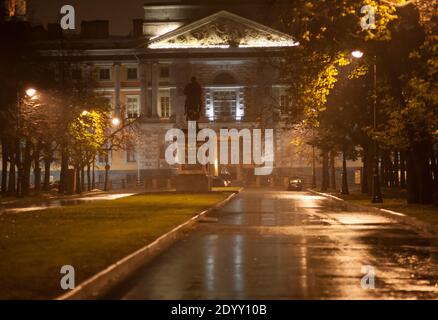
{"x":290,"y":245}
{"x":35,"y":205}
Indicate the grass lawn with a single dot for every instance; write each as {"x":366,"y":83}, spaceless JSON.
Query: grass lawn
{"x":35,"y":245}
{"x":396,"y":201}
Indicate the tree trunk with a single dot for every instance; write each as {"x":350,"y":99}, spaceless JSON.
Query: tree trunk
{"x":11,"y":182}
{"x":325,"y":170}
{"x":333,"y":170}
{"x":387,"y":170}
{"x":420,"y":186}
{"x":106,"y":186}
{"x":88,"y":177}
{"x":403,"y":173}
{"x":344,"y":189}
{"x":47,"y":163}
{"x":396,"y":169}
{"x":78,"y":179}
{"x":364,"y":185}
{"x":82,"y":178}
{"x":19,"y":165}
{"x":93,"y":178}
{"x":434,"y":165}
{"x":5,"y":153}
{"x":27,"y":165}
{"x":383,"y":177}
{"x":37,"y":168}
{"x":64,"y":168}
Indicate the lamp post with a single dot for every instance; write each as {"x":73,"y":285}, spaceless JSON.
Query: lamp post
{"x":313,"y":168}
{"x":30,"y":93}
{"x":115,"y":123}
{"x":376,"y":192}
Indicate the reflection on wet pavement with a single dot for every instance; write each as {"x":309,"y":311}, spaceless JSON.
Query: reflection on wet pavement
{"x":54,"y":203}
{"x":284,"y":245}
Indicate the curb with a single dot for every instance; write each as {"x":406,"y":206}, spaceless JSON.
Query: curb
{"x":113,"y":275}
{"x":424,"y":228}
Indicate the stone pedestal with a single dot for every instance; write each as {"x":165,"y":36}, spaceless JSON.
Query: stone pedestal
{"x":192,"y":177}
{"x":192,"y":181}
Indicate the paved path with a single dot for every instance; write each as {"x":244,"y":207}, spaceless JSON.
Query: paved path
{"x":287,"y":245}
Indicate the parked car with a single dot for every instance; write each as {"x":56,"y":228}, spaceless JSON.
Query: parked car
{"x":219,"y":182}
{"x":295,"y":184}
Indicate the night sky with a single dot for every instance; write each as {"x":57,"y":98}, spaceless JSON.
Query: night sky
{"x":119,"y":12}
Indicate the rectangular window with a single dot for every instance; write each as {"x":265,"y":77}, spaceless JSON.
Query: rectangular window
{"x":285,"y":103}
{"x":165,"y":107}
{"x":132,"y":107}
{"x":131,"y":155}
{"x":131,"y":73}
{"x":164,"y":71}
{"x":104,"y":73}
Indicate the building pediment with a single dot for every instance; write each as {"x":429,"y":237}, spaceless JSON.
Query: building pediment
{"x":222,"y":30}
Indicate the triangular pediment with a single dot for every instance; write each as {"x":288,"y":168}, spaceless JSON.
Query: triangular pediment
{"x":222,"y":30}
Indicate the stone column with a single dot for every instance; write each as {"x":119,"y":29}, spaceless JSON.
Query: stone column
{"x":144,"y":89}
{"x":239,"y":172}
{"x":117,"y":87}
{"x":173,"y":103}
{"x":89,"y":72}
{"x":155,"y":88}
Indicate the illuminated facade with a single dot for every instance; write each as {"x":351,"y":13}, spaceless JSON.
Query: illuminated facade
{"x":145,"y":75}
{"x":14,"y":9}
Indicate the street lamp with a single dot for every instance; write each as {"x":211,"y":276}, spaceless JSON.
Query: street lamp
{"x":31,"y":92}
{"x":115,"y":122}
{"x":357,"y":54}
{"x":377,"y":192}
{"x":84,"y":113}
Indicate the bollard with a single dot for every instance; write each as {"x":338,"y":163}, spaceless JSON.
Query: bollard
{"x":154,"y":184}
{"x":258,"y":185}
{"x":169,"y":184}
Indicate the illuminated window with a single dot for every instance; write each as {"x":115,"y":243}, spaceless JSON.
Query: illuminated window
{"x":132,"y":107}
{"x":225,"y":104}
{"x":165,"y":107}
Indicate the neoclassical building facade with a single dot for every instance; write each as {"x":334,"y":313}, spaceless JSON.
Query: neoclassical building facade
{"x":227,"y":46}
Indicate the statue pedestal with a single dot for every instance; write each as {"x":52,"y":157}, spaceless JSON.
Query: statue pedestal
{"x":192,"y":177}
{"x":192,"y":181}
